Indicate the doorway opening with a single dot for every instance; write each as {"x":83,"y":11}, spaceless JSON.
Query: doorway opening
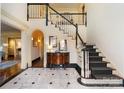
{"x":10,"y":51}
{"x":11,"y":43}
{"x":37,"y":48}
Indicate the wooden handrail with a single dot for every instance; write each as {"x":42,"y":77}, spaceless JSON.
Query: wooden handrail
{"x":81,"y":39}
{"x":61,"y":15}
{"x":37,"y":3}
{"x":69,"y":13}
{"x":77,"y":34}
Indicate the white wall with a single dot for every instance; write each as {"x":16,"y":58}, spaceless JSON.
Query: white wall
{"x":14,"y":14}
{"x":50,"y":30}
{"x":106,"y":30}
{"x":24,"y":50}
{"x":0,"y":27}
{"x":35,"y":53}
{"x":18,"y":10}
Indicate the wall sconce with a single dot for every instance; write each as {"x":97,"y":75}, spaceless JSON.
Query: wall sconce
{"x":38,"y":40}
{"x":32,"y":39}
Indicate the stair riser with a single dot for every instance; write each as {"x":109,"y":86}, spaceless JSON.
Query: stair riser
{"x":92,"y":50}
{"x":94,"y":54}
{"x":97,"y":65}
{"x":89,"y":46}
{"x":95,"y":59}
{"x":101,"y":81}
{"x":101,"y":72}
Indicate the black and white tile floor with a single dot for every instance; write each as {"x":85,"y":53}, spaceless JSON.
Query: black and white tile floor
{"x":44,"y":78}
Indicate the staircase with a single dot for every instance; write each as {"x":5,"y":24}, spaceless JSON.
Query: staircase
{"x":98,"y":67}
{"x":100,"y":73}
{"x":94,"y":68}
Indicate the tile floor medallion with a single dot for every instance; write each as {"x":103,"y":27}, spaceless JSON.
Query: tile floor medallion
{"x":44,"y":78}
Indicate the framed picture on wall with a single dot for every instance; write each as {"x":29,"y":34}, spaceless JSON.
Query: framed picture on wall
{"x":63,"y":45}
{"x":53,"y":41}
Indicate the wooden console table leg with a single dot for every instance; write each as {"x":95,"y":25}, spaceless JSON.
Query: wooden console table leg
{"x":50,"y":67}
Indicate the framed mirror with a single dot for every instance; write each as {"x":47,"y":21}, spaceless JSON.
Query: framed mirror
{"x":63,"y":45}
{"x":53,"y":41}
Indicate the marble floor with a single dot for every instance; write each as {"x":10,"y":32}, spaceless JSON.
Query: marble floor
{"x":44,"y":78}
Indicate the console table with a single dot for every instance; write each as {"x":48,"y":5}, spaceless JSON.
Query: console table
{"x":57,"y":58}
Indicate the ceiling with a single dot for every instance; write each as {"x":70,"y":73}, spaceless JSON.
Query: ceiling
{"x":8,"y":28}
{"x":66,"y":5}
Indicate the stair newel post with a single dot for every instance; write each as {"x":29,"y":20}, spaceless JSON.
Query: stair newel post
{"x":87,"y":64}
{"x":76,"y":35}
{"x":123,"y":82}
{"x":47,"y":14}
{"x":27,"y":11}
{"x":86,"y":19}
{"x":83,"y":65}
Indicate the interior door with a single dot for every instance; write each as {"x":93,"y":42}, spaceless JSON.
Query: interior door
{"x":11,"y":48}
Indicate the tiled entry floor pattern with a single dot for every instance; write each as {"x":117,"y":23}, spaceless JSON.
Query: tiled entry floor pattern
{"x":43,"y":78}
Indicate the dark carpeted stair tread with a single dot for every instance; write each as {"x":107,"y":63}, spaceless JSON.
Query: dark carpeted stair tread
{"x":99,"y":62}
{"x":102,"y":68}
{"x":105,"y":76}
{"x":90,"y":48}
{"x":90,"y":45}
{"x":94,"y":52}
{"x":96,"y":57}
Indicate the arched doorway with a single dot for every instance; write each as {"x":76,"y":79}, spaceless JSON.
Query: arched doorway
{"x":37,"y":48}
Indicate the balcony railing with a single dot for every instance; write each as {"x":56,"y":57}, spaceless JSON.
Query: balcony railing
{"x":40,"y":10}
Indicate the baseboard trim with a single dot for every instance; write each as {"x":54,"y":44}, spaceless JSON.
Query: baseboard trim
{"x":36,"y":59}
{"x":123,"y":82}
{"x":98,"y":85}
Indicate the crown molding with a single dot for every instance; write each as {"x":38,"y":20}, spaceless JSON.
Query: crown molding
{"x":13,"y":21}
